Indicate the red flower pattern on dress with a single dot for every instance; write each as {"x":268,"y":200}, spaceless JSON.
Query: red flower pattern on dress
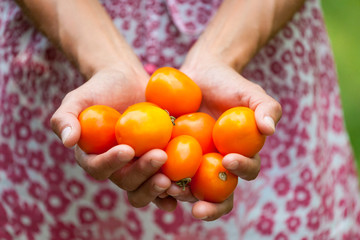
{"x":265,"y":225}
{"x":106,"y":199}
{"x":87,"y":215}
{"x":293,"y":223}
{"x":170,"y":222}
{"x":307,"y":183}
{"x":282,"y":185}
{"x":36,"y":190}
{"x":27,"y":218}
{"x":56,"y":203}
{"x":75,"y":188}
{"x":62,"y":231}
{"x":4,"y":218}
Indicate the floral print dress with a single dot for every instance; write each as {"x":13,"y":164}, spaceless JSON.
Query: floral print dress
{"x":308,"y":186}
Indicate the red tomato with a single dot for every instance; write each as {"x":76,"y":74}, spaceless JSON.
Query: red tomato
{"x":98,"y":129}
{"x":172,"y":90}
{"x":212,"y":182}
{"x":143,"y":127}
{"x":198,"y":125}
{"x":236,"y":131}
{"x":184,"y":157}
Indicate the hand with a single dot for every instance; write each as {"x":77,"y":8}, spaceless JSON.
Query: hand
{"x":114,"y":87}
{"x":118,"y":88}
{"x":201,"y":209}
{"x":223,"y":88}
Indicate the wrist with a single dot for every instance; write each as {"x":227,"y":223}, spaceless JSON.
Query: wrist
{"x":212,"y":54}
{"x":109,"y":55}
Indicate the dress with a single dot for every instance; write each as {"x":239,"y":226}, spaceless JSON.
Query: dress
{"x":308,"y":186}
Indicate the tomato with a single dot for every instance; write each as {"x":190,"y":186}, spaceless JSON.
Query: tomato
{"x":184,"y":157}
{"x":212,"y":182}
{"x":98,"y":129}
{"x":174,"y":91}
{"x":144,"y":127}
{"x":141,"y":104}
{"x":236,"y":131}
{"x":198,"y":125}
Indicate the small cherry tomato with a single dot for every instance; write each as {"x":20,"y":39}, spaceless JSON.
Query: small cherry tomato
{"x":144,"y":127}
{"x":212,"y":182}
{"x":198,"y":125}
{"x":98,"y":129}
{"x":236,"y":131}
{"x":141,"y":104}
{"x":174,"y":91}
{"x":184,"y":157}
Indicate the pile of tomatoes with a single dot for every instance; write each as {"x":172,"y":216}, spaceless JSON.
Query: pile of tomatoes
{"x":194,"y":141}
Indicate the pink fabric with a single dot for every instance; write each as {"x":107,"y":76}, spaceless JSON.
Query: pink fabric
{"x":307,"y":189}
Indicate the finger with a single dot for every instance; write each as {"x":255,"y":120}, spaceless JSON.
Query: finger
{"x":211,"y":211}
{"x":267,"y":114}
{"x":167,"y":204}
{"x":149,"y":191}
{"x":64,"y":121}
{"x":244,"y":167}
{"x":181,"y":194}
{"x":267,"y":110}
{"x":102,"y":166}
{"x":132,"y":176}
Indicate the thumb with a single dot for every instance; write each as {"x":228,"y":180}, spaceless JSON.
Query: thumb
{"x":267,"y":114}
{"x":65,"y":122}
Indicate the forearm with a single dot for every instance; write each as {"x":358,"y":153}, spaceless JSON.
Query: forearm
{"x":241,"y":27}
{"x":83,"y":30}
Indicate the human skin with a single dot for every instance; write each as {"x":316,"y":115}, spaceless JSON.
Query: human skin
{"x":86,"y":34}
{"x":235,"y":34}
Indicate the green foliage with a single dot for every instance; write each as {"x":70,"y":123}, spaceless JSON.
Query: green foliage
{"x":343,"y":24}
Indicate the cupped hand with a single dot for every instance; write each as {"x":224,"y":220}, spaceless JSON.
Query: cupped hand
{"x":117,"y":88}
{"x":223,"y":88}
{"x":114,"y":87}
{"x":203,"y":210}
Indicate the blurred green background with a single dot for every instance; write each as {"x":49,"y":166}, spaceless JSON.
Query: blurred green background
{"x":342,"y":19}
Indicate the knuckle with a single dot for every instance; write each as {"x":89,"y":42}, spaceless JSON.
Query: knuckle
{"x":94,"y":172}
{"x":121,"y":183}
{"x":249,"y":171}
{"x":252,"y":176}
{"x":68,"y":96}
{"x":257,"y":87}
{"x":254,"y":173}
{"x":136,"y":201}
{"x":128,"y":187}
{"x":229,"y":208}
{"x":55,"y":122}
{"x":276,"y":106}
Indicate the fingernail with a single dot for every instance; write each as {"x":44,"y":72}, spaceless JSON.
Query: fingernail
{"x":270,"y":122}
{"x":156,"y":163}
{"x":65,"y":134}
{"x":163,"y":195}
{"x":159,"y":189}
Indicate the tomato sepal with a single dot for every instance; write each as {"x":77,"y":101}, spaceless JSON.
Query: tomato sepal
{"x":183,"y":183}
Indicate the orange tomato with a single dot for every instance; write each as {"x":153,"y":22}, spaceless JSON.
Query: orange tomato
{"x":235,"y":131}
{"x":198,"y":125}
{"x":184,"y":157}
{"x":141,"y":104}
{"x":174,"y":91}
{"x":98,"y":129}
{"x":144,"y":127}
{"x":212,"y":182}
